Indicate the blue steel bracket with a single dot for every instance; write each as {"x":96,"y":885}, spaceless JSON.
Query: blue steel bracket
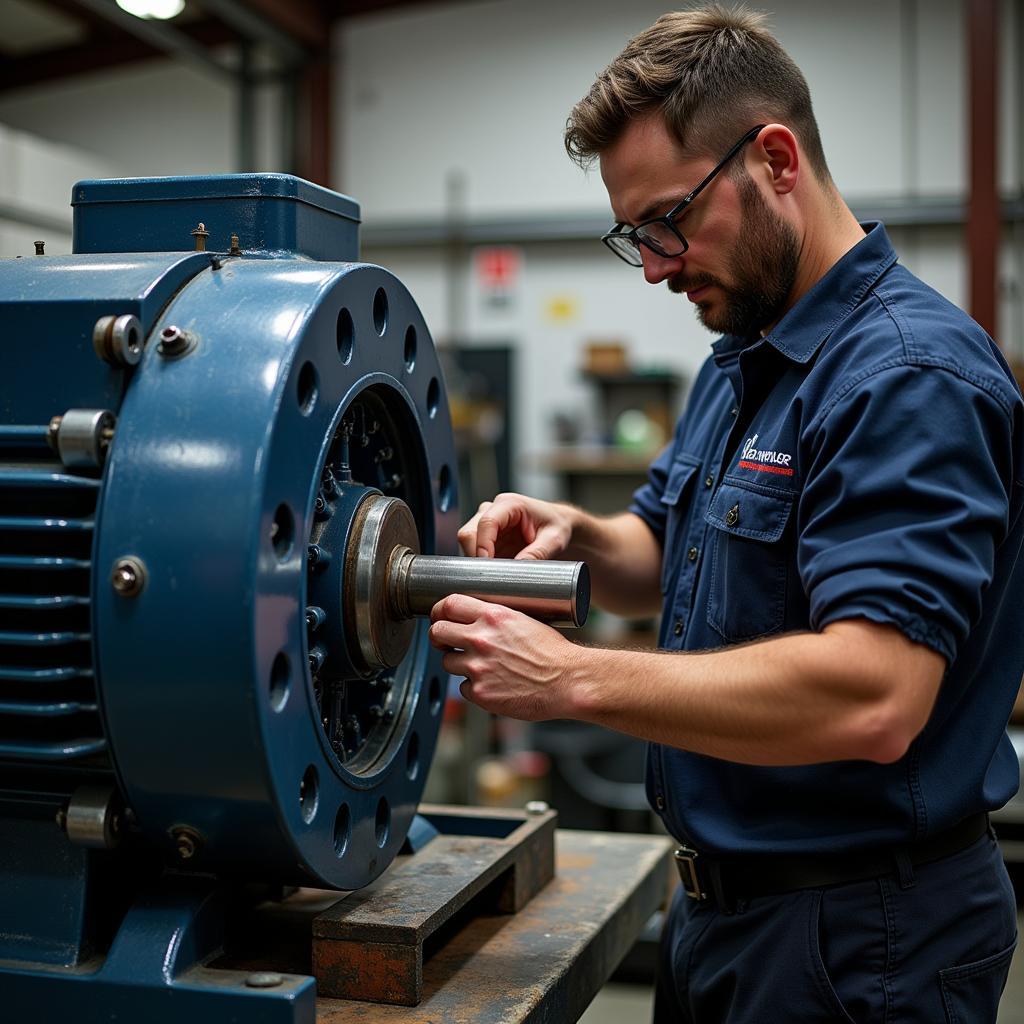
{"x":155,"y":972}
{"x":421,"y":832}
{"x":49,"y":306}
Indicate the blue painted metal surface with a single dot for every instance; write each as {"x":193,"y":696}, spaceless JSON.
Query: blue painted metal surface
{"x":48,"y":308}
{"x":154,"y":972}
{"x":271,"y":214}
{"x":207,"y":449}
{"x":204,"y":695}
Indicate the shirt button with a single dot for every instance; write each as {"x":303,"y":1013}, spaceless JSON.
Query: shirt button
{"x":659,"y":802}
{"x":677,"y":629}
{"x":708,"y":480}
{"x":732,"y":517}
{"x":692,"y":554}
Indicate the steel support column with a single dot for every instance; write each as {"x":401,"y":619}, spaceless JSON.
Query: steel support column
{"x":983,"y":213}
{"x":246,"y":100}
{"x":314,"y":134}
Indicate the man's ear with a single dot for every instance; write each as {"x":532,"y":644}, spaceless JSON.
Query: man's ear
{"x":778,"y":156}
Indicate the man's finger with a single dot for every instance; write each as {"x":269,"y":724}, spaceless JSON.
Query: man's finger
{"x":497,"y":518}
{"x":467,"y":532}
{"x":446,"y":635}
{"x":456,"y":663}
{"x":458,"y":608}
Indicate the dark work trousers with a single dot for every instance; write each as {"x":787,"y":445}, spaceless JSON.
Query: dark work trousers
{"x":930,"y":944}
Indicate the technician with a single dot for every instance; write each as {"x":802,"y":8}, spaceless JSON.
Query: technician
{"x":833,"y":539}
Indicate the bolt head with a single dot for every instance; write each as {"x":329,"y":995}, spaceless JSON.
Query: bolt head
{"x":186,"y":847}
{"x":173,"y":341}
{"x":264,"y":979}
{"x":537,"y":807}
{"x":128,"y":577}
{"x":125,"y":579}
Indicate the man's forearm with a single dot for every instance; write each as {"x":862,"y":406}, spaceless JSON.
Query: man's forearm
{"x":856,"y":691}
{"x":624,"y":558}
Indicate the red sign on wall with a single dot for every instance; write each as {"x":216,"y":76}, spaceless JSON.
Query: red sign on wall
{"x":497,"y":272}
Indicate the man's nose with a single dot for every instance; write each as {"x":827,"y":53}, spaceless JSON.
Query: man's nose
{"x":659,"y":268}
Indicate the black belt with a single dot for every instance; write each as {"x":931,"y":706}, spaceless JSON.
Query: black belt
{"x":725,"y":882}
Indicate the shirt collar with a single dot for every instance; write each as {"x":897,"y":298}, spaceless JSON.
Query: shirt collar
{"x":801,"y":332}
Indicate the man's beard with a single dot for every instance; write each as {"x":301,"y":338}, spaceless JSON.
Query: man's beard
{"x":763,"y":265}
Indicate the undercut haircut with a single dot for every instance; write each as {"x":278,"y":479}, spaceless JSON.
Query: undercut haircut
{"x":712,"y":73}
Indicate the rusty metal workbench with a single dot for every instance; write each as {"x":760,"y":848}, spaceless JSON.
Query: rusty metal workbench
{"x":544,"y":964}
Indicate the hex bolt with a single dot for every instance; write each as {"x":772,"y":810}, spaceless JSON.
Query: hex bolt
{"x":200,"y":234}
{"x":317,"y":657}
{"x":53,"y":430}
{"x":234,"y":250}
{"x":187,"y":841}
{"x":128,"y":577}
{"x":40,"y":246}
{"x":174,"y":342}
{"x":317,"y":557}
{"x":118,"y":339}
{"x":264,"y":979}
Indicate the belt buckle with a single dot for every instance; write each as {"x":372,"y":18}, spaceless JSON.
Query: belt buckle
{"x":687,"y":867}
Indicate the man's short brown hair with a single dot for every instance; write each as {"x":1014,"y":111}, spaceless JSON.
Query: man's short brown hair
{"x":712,"y":73}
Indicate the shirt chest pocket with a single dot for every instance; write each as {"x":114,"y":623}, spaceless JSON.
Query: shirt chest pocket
{"x":749,"y":560}
{"x":675,"y":498}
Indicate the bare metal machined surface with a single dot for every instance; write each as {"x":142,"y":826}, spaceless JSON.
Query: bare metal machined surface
{"x":381,"y":525}
{"x":388,"y":583}
{"x":554,"y":592}
{"x":92,"y":818}
{"x":83,"y":437}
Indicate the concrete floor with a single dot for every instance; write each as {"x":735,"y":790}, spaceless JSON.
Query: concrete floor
{"x":631,"y":1004}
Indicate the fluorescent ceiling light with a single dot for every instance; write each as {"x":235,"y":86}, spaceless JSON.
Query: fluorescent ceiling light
{"x":161,"y":9}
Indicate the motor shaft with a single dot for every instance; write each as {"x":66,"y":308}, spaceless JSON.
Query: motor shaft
{"x":554,"y":592}
{"x":387,"y":583}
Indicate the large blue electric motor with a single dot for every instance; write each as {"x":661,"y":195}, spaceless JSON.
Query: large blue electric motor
{"x":196,"y":409}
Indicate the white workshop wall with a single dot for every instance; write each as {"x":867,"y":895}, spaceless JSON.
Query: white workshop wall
{"x":153,"y":118}
{"x":35,"y":191}
{"x":483,"y":88}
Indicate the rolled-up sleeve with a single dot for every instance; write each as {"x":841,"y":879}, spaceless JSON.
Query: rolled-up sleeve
{"x":647,"y":503}
{"x":905,"y":502}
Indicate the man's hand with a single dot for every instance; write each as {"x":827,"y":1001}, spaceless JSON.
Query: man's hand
{"x":513,"y":665}
{"x":515,"y":526}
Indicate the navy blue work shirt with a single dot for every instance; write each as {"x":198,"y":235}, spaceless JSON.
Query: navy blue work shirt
{"x":863,"y":460}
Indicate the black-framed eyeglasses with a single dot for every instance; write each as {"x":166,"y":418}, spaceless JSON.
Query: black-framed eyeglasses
{"x":660,"y":234}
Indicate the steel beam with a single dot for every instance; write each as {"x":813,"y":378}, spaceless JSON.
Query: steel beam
{"x":111,"y":48}
{"x":315,"y":130}
{"x":160,"y":35}
{"x":983,"y":222}
{"x":250,"y":22}
{"x":303,"y":21}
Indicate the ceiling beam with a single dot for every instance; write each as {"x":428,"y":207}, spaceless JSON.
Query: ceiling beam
{"x":254,"y":25}
{"x":305,"y":21}
{"x":107,"y":49}
{"x":164,"y":36}
{"x":347,"y":8}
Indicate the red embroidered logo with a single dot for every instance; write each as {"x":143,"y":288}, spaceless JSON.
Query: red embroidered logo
{"x":762,"y":461}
